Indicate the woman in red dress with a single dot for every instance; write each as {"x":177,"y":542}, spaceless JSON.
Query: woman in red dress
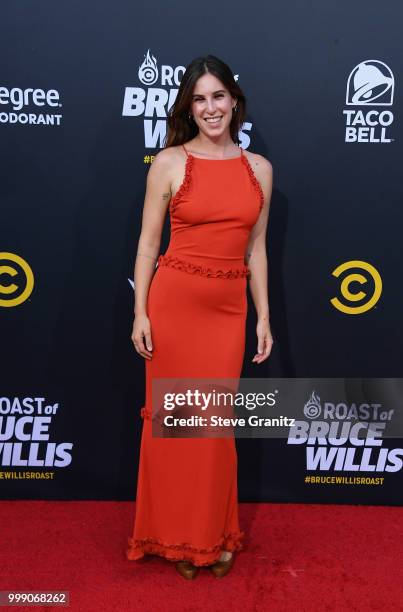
{"x":190,"y":312}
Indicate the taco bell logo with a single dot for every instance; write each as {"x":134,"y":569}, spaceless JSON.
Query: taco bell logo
{"x":370,"y":84}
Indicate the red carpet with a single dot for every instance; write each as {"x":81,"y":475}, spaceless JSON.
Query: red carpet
{"x":298,"y":557}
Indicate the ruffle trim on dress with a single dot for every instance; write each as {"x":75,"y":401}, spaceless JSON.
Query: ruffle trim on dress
{"x":254,"y":180}
{"x":183,"y":551}
{"x":144,"y":413}
{"x":185,"y":183}
{"x":191,"y":268}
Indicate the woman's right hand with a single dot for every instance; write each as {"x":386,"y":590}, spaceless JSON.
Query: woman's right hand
{"x":141,"y":336}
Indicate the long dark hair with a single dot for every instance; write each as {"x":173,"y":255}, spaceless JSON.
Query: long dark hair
{"x":180,"y":127}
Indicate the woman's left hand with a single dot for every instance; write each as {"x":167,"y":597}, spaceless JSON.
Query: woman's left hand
{"x":264,"y":341}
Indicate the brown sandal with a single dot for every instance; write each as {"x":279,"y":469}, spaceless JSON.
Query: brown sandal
{"x":187,"y":569}
{"x":221,"y":568}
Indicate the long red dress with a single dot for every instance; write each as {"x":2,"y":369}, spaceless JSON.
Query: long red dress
{"x":186,"y":505}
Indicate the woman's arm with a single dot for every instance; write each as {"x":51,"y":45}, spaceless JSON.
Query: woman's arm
{"x":256,"y":259}
{"x":158,"y":194}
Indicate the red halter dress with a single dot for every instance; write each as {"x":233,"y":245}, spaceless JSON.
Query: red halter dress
{"x":186,"y":504}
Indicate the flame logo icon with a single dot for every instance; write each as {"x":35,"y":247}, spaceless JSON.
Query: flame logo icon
{"x":370,"y":82}
{"x":148,"y":71}
{"x":313,"y":408}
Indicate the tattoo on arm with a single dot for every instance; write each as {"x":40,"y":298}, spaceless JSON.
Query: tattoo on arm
{"x":166,"y":196}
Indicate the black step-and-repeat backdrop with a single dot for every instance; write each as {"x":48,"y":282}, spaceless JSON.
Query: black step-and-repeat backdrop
{"x":84,"y":93}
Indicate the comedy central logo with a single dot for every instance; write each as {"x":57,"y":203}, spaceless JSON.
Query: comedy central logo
{"x":362,"y":275}
{"x":370,"y":83}
{"x":16,"y":280}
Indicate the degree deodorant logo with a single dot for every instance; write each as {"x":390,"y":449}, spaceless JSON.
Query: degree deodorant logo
{"x":370,"y":83}
{"x":30,"y":106}
{"x":16,"y":280}
{"x":360,"y":287}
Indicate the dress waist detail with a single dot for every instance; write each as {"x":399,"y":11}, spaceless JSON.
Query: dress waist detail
{"x":190,"y":267}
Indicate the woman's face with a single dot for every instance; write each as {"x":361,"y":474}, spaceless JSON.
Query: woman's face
{"x":211,"y":100}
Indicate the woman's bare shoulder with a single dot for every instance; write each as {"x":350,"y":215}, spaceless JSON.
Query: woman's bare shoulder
{"x":169,"y":155}
{"x":258,"y":162}
{"x":165,"y":164}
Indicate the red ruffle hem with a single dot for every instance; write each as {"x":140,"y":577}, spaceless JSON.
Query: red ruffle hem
{"x":184,"y":552}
